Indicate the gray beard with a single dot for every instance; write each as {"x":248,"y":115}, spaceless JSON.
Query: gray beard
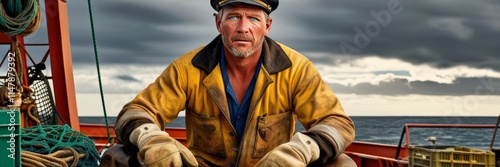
{"x":236,"y":53}
{"x":239,"y":54}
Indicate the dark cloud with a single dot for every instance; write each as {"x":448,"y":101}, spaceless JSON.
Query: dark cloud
{"x":127,"y":78}
{"x":461,"y":86}
{"x":442,"y":33}
{"x":133,"y":32}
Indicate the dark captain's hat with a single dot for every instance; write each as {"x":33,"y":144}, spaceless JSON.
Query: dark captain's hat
{"x":267,"y":5}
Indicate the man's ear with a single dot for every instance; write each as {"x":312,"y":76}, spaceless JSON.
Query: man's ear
{"x":268,"y":25}
{"x":217,"y":21}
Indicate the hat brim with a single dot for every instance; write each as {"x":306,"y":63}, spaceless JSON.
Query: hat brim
{"x":266,"y":8}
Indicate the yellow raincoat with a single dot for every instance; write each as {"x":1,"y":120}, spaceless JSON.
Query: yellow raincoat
{"x":288,"y":87}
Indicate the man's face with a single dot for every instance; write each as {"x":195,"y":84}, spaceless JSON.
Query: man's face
{"x":243,"y":29}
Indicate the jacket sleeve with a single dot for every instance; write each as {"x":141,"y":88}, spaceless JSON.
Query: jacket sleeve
{"x":321,"y":113}
{"x":158,"y":103}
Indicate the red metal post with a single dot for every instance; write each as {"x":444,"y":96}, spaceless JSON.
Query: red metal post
{"x":22,"y":53}
{"x":6,"y":39}
{"x":60,"y":61}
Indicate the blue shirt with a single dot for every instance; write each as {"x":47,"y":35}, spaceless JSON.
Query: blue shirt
{"x":237,"y":111}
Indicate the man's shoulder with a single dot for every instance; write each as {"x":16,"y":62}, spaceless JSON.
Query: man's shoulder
{"x":292,"y":54}
{"x":193,"y":52}
{"x":188,"y":56}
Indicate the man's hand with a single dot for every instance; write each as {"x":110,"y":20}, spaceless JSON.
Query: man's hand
{"x":158,"y":149}
{"x":299,"y":151}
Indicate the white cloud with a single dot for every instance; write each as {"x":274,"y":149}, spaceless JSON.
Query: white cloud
{"x":119,"y":92}
{"x":419,"y":105}
{"x":86,"y":79}
{"x":375,"y":70}
{"x":89,"y":104}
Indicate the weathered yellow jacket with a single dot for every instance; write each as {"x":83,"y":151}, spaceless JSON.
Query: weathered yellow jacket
{"x":288,"y":87}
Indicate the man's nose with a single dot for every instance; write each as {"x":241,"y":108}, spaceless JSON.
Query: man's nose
{"x":243,"y":26}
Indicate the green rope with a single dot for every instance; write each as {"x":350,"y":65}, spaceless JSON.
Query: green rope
{"x":98,"y":71}
{"x":18,"y":16}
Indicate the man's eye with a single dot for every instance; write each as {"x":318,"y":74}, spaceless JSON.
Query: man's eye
{"x":232,"y":18}
{"x":254,"y":19}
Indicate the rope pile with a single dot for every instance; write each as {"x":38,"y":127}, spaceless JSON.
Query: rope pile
{"x":57,"y":145}
{"x":19,"y":17}
{"x":60,"y":158}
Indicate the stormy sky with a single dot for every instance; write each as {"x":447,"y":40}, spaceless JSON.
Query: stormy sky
{"x":372,"y":53}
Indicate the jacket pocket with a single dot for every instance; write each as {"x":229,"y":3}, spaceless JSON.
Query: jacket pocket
{"x":207,"y":133}
{"x":272,"y":130}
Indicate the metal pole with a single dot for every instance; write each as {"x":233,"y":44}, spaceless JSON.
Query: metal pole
{"x":61,"y":63}
{"x":494,"y":134}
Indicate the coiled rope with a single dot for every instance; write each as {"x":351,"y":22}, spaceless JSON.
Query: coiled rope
{"x":19,"y":17}
{"x":60,"y":158}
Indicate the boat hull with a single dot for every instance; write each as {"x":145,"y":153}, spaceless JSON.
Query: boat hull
{"x":364,"y":154}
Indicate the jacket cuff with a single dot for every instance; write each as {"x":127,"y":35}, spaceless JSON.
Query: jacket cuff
{"x":327,"y":152}
{"x":127,"y":122}
{"x":330,"y":141}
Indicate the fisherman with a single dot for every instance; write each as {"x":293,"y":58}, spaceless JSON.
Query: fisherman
{"x":242,"y":94}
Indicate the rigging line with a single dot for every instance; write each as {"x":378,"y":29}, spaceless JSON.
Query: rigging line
{"x":494,"y":133}
{"x":98,"y":71}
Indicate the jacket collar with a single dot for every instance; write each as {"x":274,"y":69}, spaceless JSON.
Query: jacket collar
{"x":274,"y":58}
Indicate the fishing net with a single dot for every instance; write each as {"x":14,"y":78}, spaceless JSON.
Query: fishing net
{"x":52,"y":140}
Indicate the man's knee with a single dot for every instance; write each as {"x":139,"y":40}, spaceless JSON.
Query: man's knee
{"x":119,"y":156}
{"x":341,"y":161}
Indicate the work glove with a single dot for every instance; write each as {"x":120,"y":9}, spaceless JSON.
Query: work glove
{"x":299,"y":151}
{"x":158,"y":149}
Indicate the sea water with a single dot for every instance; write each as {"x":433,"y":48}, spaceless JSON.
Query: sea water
{"x":388,"y":130}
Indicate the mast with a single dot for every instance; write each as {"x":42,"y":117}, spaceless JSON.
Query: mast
{"x":61,"y":62}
